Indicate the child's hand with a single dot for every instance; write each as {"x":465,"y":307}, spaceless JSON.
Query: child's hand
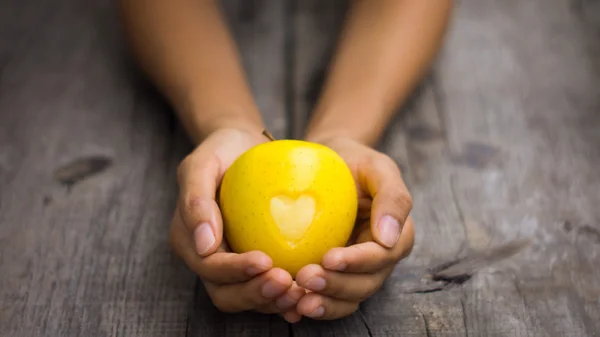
{"x":383,"y":235}
{"x":234,"y":282}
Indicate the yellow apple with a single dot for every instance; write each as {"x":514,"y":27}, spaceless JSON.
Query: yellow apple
{"x":291,"y":199}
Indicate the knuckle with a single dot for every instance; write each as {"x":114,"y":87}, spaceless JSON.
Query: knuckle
{"x":401,"y":199}
{"x":220,"y":302}
{"x":259,"y":300}
{"x":351,"y":309}
{"x":268,"y":309}
{"x":390,"y":259}
{"x":251,"y":298}
{"x":359,"y":251}
{"x":336,"y":290}
{"x":384,"y":161}
{"x":193,"y":203}
{"x":372,"y":287}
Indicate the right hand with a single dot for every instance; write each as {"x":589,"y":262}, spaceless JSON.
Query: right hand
{"x":234,"y":282}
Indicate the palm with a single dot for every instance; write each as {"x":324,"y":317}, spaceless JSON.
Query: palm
{"x":227,"y":146}
{"x":363,"y":161}
{"x":354,"y":154}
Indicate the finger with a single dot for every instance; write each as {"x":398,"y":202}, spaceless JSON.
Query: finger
{"x":291,"y":297}
{"x":292,"y":316}
{"x":198,"y":177}
{"x":252,"y":294}
{"x":220,"y":267}
{"x":343,"y":286}
{"x":320,"y":307}
{"x":364,"y":208}
{"x":369,"y":256}
{"x":285,"y":302}
{"x":391,"y":201}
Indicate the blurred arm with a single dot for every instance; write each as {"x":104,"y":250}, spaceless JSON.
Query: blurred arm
{"x":385,"y":49}
{"x":186,"y":49}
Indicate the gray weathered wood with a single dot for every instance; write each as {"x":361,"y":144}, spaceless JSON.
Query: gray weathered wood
{"x":92,"y":259}
{"x":502,"y":143}
{"x":259,"y":29}
{"x":315,"y":27}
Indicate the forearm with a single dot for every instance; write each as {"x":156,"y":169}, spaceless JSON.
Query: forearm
{"x":185,"y":48}
{"x":385,"y":49}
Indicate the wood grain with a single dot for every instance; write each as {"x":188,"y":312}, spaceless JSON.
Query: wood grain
{"x":315,"y":27}
{"x":543,"y":120}
{"x":92,"y":261}
{"x":501,"y":143}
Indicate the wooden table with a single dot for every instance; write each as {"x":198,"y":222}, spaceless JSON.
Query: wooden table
{"x":500,"y":142}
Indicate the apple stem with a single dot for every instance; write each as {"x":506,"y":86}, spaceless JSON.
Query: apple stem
{"x":268,"y":135}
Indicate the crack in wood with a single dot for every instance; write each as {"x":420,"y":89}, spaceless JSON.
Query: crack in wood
{"x":458,"y":271}
{"x":464,"y":312}
{"x":439,"y":103}
{"x":476,"y":155}
{"x":518,"y":289}
{"x":584,"y":230}
{"x":461,"y":215}
{"x":364,"y":320}
{"x":80,"y":169}
{"x":425,"y":322}
{"x":589,"y":232}
{"x":467,"y":266}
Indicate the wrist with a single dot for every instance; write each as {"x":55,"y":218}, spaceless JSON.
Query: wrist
{"x":202,"y":122}
{"x":242,"y":123}
{"x":361,"y":120}
{"x":326,"y":136}
{"x":328,"y":131}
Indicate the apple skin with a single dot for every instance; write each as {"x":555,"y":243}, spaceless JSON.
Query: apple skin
{"x":291,"y":199}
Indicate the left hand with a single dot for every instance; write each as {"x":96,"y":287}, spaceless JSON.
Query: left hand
{"x":383,"y":235}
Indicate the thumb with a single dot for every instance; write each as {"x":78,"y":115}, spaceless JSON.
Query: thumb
{"x":198,"y":177}
{"x":392,"y":202}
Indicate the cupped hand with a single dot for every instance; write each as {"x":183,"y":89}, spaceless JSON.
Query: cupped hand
{"x":234,"y":282}
{"x":383,"y":235}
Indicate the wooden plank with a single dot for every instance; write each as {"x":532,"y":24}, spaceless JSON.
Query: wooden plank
{"x":536,"y":123}
{"x":514,"y":150}
{"x":259,"y":30}
{"x":416,"y":140}
{"x":314,"y":31}
{"x":91,"y":259}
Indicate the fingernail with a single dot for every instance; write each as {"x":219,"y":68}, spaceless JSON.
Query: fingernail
{"x":316,"y":283}
{"x":204,"y":238}
{"x":272,"y":289}
{"x":285,"y":302}
{"x":318,"y":312}
{"x":389,"y":230}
